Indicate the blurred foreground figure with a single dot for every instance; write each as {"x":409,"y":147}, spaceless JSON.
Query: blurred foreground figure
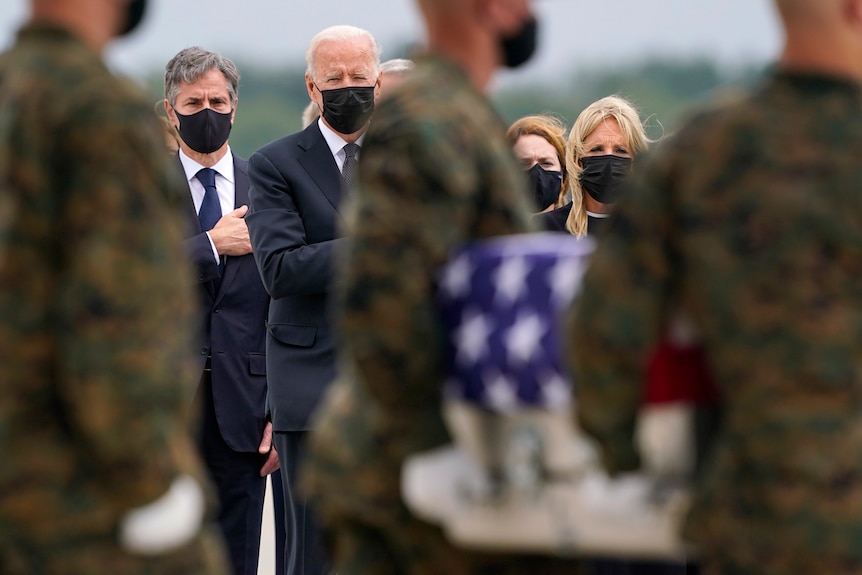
{"x":758,"y":243}
{"x":98,"y":473}
{"x":436,"y":173}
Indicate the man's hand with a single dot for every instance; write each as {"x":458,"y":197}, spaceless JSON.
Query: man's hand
{"x":266,"y":446}
{"x":230,"y":234}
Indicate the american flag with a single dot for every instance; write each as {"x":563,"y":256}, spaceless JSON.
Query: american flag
{"x":502,"y":302}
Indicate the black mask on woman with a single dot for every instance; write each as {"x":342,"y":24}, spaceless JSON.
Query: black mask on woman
{"x":602,"y":176}
{"x":348,"y":109}
{"x":205,"y":131}
{"x":134,"y":14}
{"x":545,"y":185}
{"x":519,"y":48}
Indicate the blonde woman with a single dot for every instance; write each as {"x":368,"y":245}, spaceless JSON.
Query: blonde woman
{"x":539,"y":143}
{"x":602,"y":144}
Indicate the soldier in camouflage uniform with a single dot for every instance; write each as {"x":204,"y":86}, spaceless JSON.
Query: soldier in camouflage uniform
{"x":94,"y":315}
{"x":435,"y":172}
{"x":750,"y":219}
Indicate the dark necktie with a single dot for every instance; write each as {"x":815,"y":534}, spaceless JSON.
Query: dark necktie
{"x":210,"y":212}
{"x":348,"y":170}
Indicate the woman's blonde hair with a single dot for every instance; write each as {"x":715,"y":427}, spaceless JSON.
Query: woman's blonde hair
{"x":553,"y":131}
{"x":626,"y":115}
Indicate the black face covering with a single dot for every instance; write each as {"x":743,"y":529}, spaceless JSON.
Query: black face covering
{"x":205,"y":131}
{"x":347,"y":110}
{"x":134,"y":15}
{"x":602,"y":176}
{"x":545,"y":185}
{"x":519,"y":48}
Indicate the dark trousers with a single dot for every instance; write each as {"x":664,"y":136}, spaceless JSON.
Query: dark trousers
{"x":278,"y":511}
{"x":304,"y":552}
{"x":241,"y":489}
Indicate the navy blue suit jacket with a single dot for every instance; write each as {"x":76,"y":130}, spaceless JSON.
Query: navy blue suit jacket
{"x":234,"y":332}
{"x":293,"y":222}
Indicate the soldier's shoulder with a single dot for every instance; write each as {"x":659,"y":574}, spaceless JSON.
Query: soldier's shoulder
{"x":438,"y":92}
{"x":707,"y":128}
{"x":725,"y":109}
{"x":436,"y":110}
{"x":54,"y":65}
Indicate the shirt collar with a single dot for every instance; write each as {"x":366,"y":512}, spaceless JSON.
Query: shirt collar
{"x":333,"y":139}
{"x":224,"y":166}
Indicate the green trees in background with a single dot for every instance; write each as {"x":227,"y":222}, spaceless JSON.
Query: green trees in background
{"x":272,"y":100}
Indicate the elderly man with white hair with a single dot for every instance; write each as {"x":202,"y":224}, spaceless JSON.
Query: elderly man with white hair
{"x":297,"y":186}
{"x":393,"y":72}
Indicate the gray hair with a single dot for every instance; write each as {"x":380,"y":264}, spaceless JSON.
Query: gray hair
{"x":396,"y":66}
{"x":341,"y":33}
{"x":192,"y":63}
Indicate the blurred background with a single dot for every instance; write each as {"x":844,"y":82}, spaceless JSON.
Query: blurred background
{"x":665,"y":55}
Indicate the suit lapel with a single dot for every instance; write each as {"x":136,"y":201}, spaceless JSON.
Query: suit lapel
{"x":191,"y":214}
{"x":240,"y":176}
{"x":316,"y":158}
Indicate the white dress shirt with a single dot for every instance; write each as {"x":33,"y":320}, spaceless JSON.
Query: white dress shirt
{"x":225,"y":186}
{"x":336,"y":143}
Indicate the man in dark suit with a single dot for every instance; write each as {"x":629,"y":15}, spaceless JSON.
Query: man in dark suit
{"x":235,"y":437}
{"x":297,"y":186}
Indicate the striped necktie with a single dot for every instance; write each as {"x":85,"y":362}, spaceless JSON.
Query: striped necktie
{"x":348,"y":171}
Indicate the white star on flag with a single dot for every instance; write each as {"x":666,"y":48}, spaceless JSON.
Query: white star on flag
{"x":523,"y":338}
{"x":565,"y":279}
{"x":455,"y":282}
{"x":509,"y":278}
{"x":471,"y":337}
{"x":556,"y":391}
{"x":500,"y":392}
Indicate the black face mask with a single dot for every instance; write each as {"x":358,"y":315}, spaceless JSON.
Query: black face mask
{"x":134,"y":14}
{"x":545,"y":185}
{"x":347,"y":110}
{"x":519,"y":48}
{"x":602,"y":176}
{"x":205,"y":131}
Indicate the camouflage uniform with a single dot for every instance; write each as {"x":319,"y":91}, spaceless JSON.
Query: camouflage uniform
{"x":750,"y":219}
{"x":435,"y":172}
{"x":94,"y":310}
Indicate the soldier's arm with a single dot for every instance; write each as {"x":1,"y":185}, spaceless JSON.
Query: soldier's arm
{"x":124,"y":303}
{"x":616,"y":319}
